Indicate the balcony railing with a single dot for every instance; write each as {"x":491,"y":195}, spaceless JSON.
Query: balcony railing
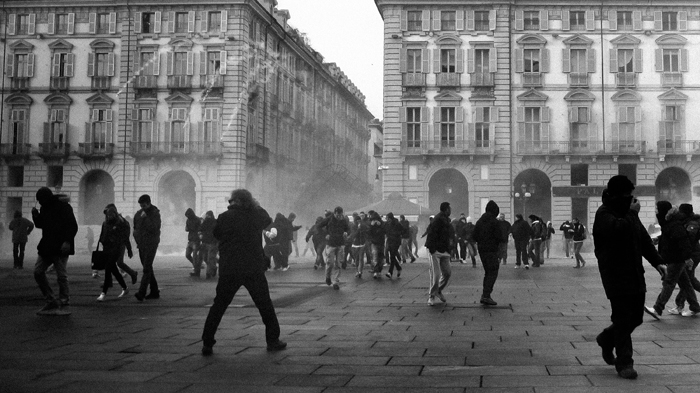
{"x":146,"y":82}
{"x":578,"y":79}
{"x":433,"y":147}
{"x":670,"y":79}
{"x":95,"y":150}
{"x":482,"y":79}
{"x":53,"y":150}
{"x":448,"y":79}
{"x":626,"y":79}
{"x":20,"y":83}
{"x":258,"y":153}
{"x":568,"y":148}
{"x":678,"y":147}
{"x":179,"y":82}
{"x":532,"y":79}
{"x":211,"y":81}
{"x":414,"y":79}
{"x":15,"y":150}
{"x":59,"y":83}
{"x":175,"y":149}
{"x":101,"y":82}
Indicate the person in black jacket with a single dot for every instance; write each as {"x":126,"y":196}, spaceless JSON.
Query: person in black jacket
{"x":488,"y":236}
{"x":692,"y":227}
{"x":242,"y":263}
{"x":620,"y":242}
{"x":537,"y":234}
{"x":505,"y":226}
{"x":318,"y":238}
{"x":192,"y":252}
{"x":439,"y":243}
{"x":394,"y":231}
{"x":676,"y":251}
{"x":147,"y":237}
{"x":114,"y":237}
{"x":376,"y":235}
{"x":521,"y":236}
{"x":21,"y":228}
{"x":210,"y":246}
{"x":58,"y":229}
{"x":338,"y":229}
{"x":568,"y":231}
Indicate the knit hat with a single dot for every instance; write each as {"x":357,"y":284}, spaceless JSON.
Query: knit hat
{"x":686,"y":208}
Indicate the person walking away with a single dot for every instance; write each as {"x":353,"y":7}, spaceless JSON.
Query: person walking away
{"x":210,"y":245}
{"x":147,"y":237}
{"x":461,"y":235}
{"x":548,"y":238}
{"x":338,"y":229}
{"x":692,"y":227}
{"x":394,"y":233}
{"x":504,"y":226}
{"x":676,"y":251}
{"x":537,"y":232}
{"x":284,"y":239}
{"x":90,"y":237}
{"x":193,"y":242}
{"x":568,"y":232}
{"x":471,"y":244}
{"x":620,"y":242}
{"x":377,"y":234}
{"x":488,"y":235}
{"x":521,"y":236}
{"x":21,"y":228}
{"x":58,"y":229}
{"x":238,"y":232}
{"x":578,"y":237}
{"x":272,"y":246}
{"x":113,"y":236}
{"x":438,"y":242}
{"x":405,"y":239}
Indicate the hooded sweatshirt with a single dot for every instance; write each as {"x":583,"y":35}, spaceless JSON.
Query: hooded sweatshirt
{"x":115,"y":231}
{"x":57,"y":223}
{"x":440,"y":234}
{"x":21,"y":228}
{"x":487,"y":232}
{"x":192,"y":225}
{"x":674,"y":244}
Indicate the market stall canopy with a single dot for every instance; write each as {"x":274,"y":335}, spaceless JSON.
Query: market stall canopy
{"x":395,"y":203}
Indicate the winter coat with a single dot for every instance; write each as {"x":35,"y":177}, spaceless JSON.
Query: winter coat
{"x":393,"y":230}
{"x":192,"y":226}
{"x":537,"y":230}
{"x":317,"y":234}
{"x":21,"y":228}
{"x":240,"y":247}
{"x":550,"y":232}
{"x":207,"y":230}
{"x":115,"y":235}
{"x":487,"y":232}
{"x":469,"y":232}
{"x":567,"y":229}
{"x":692,"y":227}
{"x":520,"y":230}
{"x":337,"y":230}
{"x":504,"y":226}
{"x":147,"y":227}
{"x":405,"y":231}
{"x":579,"y":232}
{"x":58,"y":225}
{"x":461,"y":229}
{"x":674,"y":243}
{"x":376,"y":232}
{"x":440,"y":234}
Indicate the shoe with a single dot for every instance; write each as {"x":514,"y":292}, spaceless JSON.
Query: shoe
{"x":651,"y":311}
{"x":572,"y":257}
{"x":675,"y":310}
{"x":315,"y":267}
{"x":193,"y":274}
{"x":125,"y":292}
{"x":48,"y":309}
{"x":441,"y":297}
{"x":608,"y":355}
{"x":413,"y":260}
{"x":487,"y":301}
{"x":576,"y":267}
{"x":336,"y":286}
{"x":462,"y":261}
{"x":688,"y":313}
{"x":517,"y":266}
{"x":153,"y":295}
{"x":207,"y":351}
{"x":430,"y":300}
{"x":628,"y":373}
{"x":284,"y":269}
{"x":388,"y":275}
{"x":474,"y":266}
{"x":376,"y":275}
{"x":134,"y":278}
{"x":328,"y":281}
{"x":583,"y":263}
{"x":95,"y":275}
{"x":276,"y":346}
{"x":398,"y":274}
{"x":138,"y":297}
{"x":358,"y":275}
{"x":527,"y":267}
{"x":101,"y":298}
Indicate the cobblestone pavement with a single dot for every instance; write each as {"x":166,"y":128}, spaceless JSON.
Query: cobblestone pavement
{"x":369,"y":336}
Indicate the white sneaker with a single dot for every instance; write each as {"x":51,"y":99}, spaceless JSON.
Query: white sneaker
{"x":517,"y":266}
{"x":285,"y":269}
{"x":430,"y":300}
{"x":101,"y":298}
{"x":125,"y":292}
{"x":688,"y":313}
{"x":675,"y":310}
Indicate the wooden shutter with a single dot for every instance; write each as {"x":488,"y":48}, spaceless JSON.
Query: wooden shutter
{"x":110,"y":64}
{"x":544,"y":20}
{"x":459,"y":124}
{"x":30,"y":65}
{"x":190,"y":63}
{"x":108,"y":126}
{"x":437,"y":22}
{"x":615,"y":135}
{"x":92,"y":23}
{"x":658,"y":21}
{"x":519,"y":20}
{"x":11,"y":24}
{"x":544,"y":134}
{"x":637,"y":24}
{"x":170,"y":63}
{"x":426,"y":20}
{"x":638,"y":123}
{"x":566,"y":60}
{"x":158,"y":22}
{"x":10,"y":65}
{"x":612,"y":20}
{"x":31,"y":28}
{"x":171,"y":21}
{"x":223,"y":62}
{"x":478,"y":114}
{"x":437,"y":118}
{"x":402,"y":122}
{"x":492,"y":20}
{"x":425,"y":60}
{"x":224,"y":21}
{"x":519,"y":54}
{"x":683,"y":20}
{"x":459,"y":24}
{"x":203,"y":63}
{"x":613,"y":61}
{"x":545,"y":115}
{"x":520,"y":119}
{"x":471,"y":58}
{"x":494,"y":115}
{"x":565,"y":20}
{"x":544,"y":60}
{"x":88,"y":132}
{"x":70,"y":29}
{"x":47,"y":133}
{"x":683,"y":54}
{"x":403,"y":60}
{"x":659,"y":65}
{"x":424,"y":121}
{"x":436,"y":61}
{"x":156,"y":63}
{"x":204,"y":21}
{"x":137,"y":22}
{"x":638,"y":60}
{"x":590,"y":57}
{"x":470,"y":20}
{"x":52,"y":23}
{"x":112,"y":23}
{"x":404,"y":20}
{"x":459,"y":59}
{"x":190,"y":21}
{"x":493,"y":60}
{"x":68,"y":67}
{"x":590,"y":20}
{"x":56,"y":65}
{"x":573,"y":114}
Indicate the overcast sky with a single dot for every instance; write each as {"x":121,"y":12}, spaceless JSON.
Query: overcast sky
{"x":348,"y":33}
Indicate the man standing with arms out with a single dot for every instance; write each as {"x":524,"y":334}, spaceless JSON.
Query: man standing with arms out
{"x":504,"y":226}
{"x":58,"y":229}
{"x":488,"y":236}
{"x":242,"y":264}
{"x":568,"y":230}
{"x":438,"y":244}
{"x":147,"y":237}
{"x":21,"y":228}
{"x":620,"y":242}
{"x":338,"y":230}
{"x":521,"y":236}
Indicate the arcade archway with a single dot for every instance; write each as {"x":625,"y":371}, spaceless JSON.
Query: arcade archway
{"x":176,"y":193}
{"x":96,"y":192}
{"x":532,"y":194}
{"x":673,"y":185}
{"x":449,"y":185}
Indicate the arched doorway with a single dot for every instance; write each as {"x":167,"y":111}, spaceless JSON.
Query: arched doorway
{"x":96,"y":192}
{"x":532,"y":194}
{"x":176,"y":193}
{"x":449,"y":185}
{"x":673,"y":185}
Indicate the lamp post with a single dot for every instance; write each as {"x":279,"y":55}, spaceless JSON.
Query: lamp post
{"x":524,"y":194}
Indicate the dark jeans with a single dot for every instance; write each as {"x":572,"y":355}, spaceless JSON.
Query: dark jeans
{"x":676,"y":273}
{"x":680,"y":298}
{"x":112,"y":270}
{"x":59,"y":264}
{"x":18,"y":253}
{"x":394,"y":258}
{"x":320,"y":249}
{"x":533,"y":251}
{"x":192,"y":253}
{"x":503,"y":251}
{"x":226,"y":289}
{"x":627,"y":314}
{"x":122,"y":265}
{"x":147,"y":254}
{"x":489,"y":260}
{"x":520,"y":252}
{"x":462,"y":249}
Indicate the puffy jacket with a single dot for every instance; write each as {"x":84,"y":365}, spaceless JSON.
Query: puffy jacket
{"x":440,"y":234}
{"x":115,"y":234}
{"x":207,"y":230}
{"x":520,"y":230}
{"x":579,"y":232}
{"x":240,"y":245}
{"x":504,"y":226}
{"x":567,"y":229}
{"x":487,"y":231}
{"x":376,"y":232}
{"x":394,"y":230}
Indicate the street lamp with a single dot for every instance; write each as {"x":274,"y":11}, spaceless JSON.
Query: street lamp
{"x":524,"y":194}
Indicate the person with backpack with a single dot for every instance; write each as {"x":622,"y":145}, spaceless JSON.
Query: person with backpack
{"x":692,"y":227}
{"x":579,"y":235}
{"x":537,"y":232}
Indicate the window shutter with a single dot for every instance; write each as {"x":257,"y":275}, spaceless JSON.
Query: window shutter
{"x":190,"y":63}
{"x":30,"y":65}
{"x":88,"y":132}
{"x":544,"y":20}
{"x":31,"y":28}
{"x":10,"y":65}
{"x":459,"y":124}
{"x":425,"y":59}
{"x":613,"y":61}
{"x":404,"y":20}
{"x":683,"y":20}
{"x":436,"y":61}
{"x":615,"y":134}
{"x":223,"y":62}
{"x":70,"y":61}
{"x":403,"y":60}
{"x":590,"y":56}
{"x":436,"y":127}
{"x":110,"y":64}
{"x":437,"y":25}
{"x":519,"y":66}
{"x":92,"y":23}
{"x":426,"y":20}
{"x":56,"y":65}
{"x":108,"y":115}
{"x":134,"y":114}
{"x":108,"y":130}
{"x":544,"y":66}
{"x":471,"y":134}
{"x":519,"y":20}
{"x":479,"y":114}
{"x":565,"y":21}
{"x":637,"y":24}
{"x":156,"y":63}
{"x":471,"y":65}
{"x":169,"y":65}
{"x":70,"y":29}
{"x":545,"y":114}
{"x":202,"y":63}
{"x":683,"y":53}
{"x":493,"y":60}
{"x":95,"y":115}
{"x":402,"y":114}
{"x":52,"y":23}
{"x":190,"y":21}
{"x":53,"y":115}
{"x":638,"y":123}
{"x":112,"y":23}
{"x":566,"y":60}
{"x":47,"y":132}
{"x":520,"y":114}
{"x":158,"y":22}
{"x":424,"y":114}
{"x":590,"y":20}
{"x":224,"y":21}
{"x":492,"y":20}
{"x":11,"y":23}
{"x":137,"y":22}
{"x":459,"y":24}
{"x":494,"y":114}
{"x":638,"y":63}
{"x":659,"y":65}
{"x":203,"y":21}
{"x":171,"y":21}
{"x":470,"y":20}
{"x":612,"y":20}
{"x":658,"y":21}
{"x":459,"y":59}
{"x":167,"y":131}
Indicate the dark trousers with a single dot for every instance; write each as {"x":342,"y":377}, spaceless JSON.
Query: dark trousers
{"x":112,"y":270}
{"x":147,"y":254}
{"x":627,"y":314}
{"x":489,"y":260}
{"x":533,"y":251}
{"x":320,"y":249}
{"x":462,"y":249}
{"x":18,"y":253}
{"x":394,"y":257}
{"x":520,"y":252}
{"x":226,"y":289}
{"x":192,"y":253}
{"x":681,"y":297}
{"x":122,"y":265}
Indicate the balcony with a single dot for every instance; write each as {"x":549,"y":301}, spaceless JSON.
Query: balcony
{"x":578,"y":79}
{"x":414,"y":79}
{"x":257,"y":153}
{"x":669,"y":147}
{"x":482,"y":79}
{"x":532,"y":79}
{"x":12,"y":151}
{"x":175,"y":149}
{"x":53,"y":150}
{"x":580,"y":148}
{"x":448,"y":79}
{"x":146,"y":82}
{"x":179,"y":82}
{"x":211,"y":82}
{"x":59,"y":83}
{"x":672,"y":79}
{"x":88,"y":151}
{"x":101,"y":82}
{"x":626,"y":79}
{"x":20,"y":83}
{"x":441,"y":148}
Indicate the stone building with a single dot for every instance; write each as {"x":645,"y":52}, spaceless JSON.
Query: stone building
{"x":185,"y":101}
{"x":536,"y":104}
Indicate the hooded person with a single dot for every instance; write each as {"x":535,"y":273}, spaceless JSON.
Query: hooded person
{"x":210,"y":246}
{"x":318,"y":237}
{"x":192,"y":252}
{"x":114,"y":237}
{"x":21,"y":228}
{"x":439,"y":242}
{"x":505,"y":226}
{"x":393,"y":231}
{"x":488,"y":235}
{"x":536,"y":237}
{"x":692,"y":227}
{"x":469,"y":237}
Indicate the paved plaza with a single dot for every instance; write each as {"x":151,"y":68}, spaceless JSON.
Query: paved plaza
{"x":369,"y":336}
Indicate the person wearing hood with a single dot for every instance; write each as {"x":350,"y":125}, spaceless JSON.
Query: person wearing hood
{"x":114,"y":238}
{"x":147,"y":237}
{"x":469,"y":237}
{"x":210,"y":246}
{"x":338,"y":230}
{"x":58,"y":229}
{"x":284,"y":230}
{"x":521,"y":237}
{"x":21,"y":228}
{"x":676,"y":251}
{"x":460,"y":228}
{"x":192,"y":252}
{"x":504,"y":226}
{"x":439,"y":243}
{"x":621,"y":241}
{"x":394,"y":231}
{"x":537,"y":232}
{"x":488,"y":236}
{"x":578,"y":236}
{"x":692,"y":227}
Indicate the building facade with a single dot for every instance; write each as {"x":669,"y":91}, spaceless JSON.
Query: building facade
{"x":536,"y":104}
{"x":185,"y":101}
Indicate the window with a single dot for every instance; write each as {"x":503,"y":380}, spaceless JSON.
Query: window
{"x":15,"y":176}
{"x":180,"y":63}
{"x":62,"y":65}
{"x":578,"y":123}
{"x":104,"y":64}
{"x":448,"y":124}
{"x":625,"y":60}
{"x":148,"y":20}
{"x":482,"y":127}
{"x":413,"y":127}
{"x":102,"y":24}
{"x":628,"y":170}
{"x":447,"y":60}
{"x":18,"y":129}
{"x":531,"y":58}
{"x":181,"y":21}
{"x":579,"y":174}
{"x":671,"y":125}
{"x":147,"y":63}
{"x":210,"y":128}
{"x":626,"y":127}
{"x":532,"y":126}
{"x":214,"y":22}
{"x":54,"y":176}
{"x":178,"y":132}
{"x":213,"y":65}
{"x":448,"y":20}
{"x":414,"y":60}
{"x":61,"y":23}
{"x":624,"y":20}
{"x":671,"y":60}
{"x":412,"y":172}
{"x":532,"y":20}
{"x":24,"y":23}
{"x":101,"y":132}
{"x":57,"y":127}
{"x":669,"y":21}
{"x":578,"y":60}
{"x":577,"y":20}
{"x":481,"y":60}
{"x":143,"y":125}
{"x":23,"y":66}
{"x":415,"y":20}
{"x":481,"y":20}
